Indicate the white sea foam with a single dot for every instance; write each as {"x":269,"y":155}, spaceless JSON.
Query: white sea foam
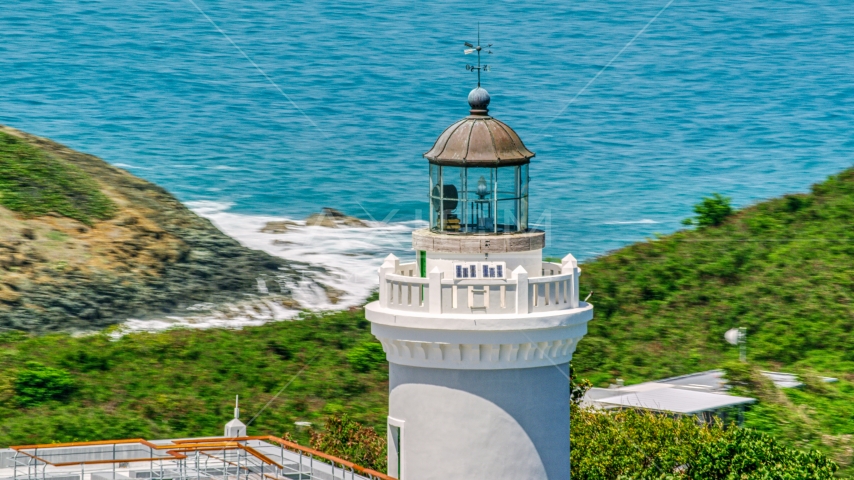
{"x":127,"y":166}
{"x":349,"y":256}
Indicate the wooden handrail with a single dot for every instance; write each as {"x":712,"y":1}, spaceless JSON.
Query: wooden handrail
{"x":47,"y":446}
{"x":340,"y":461}
{"x":198,"y":445}
{"x":84,"y":444}
{"x":260,"y":456}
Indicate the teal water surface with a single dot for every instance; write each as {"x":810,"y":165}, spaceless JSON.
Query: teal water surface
{"x":752,"y":99}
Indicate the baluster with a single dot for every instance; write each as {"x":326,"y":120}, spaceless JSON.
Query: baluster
{"x":566,"y":291}
{"x":486,"y":294}
{"x":542,"y":293}
{"x":552,"y":293}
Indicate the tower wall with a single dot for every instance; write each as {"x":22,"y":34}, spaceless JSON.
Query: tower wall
{"x":481,"y":424}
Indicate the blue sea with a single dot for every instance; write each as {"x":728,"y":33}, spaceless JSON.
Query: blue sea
{"x":251,"y":110}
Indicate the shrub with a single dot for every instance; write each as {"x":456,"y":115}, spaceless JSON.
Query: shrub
{"x":350,"y":440}
{"x":577,"y":388}
{"x":366,"y":357}
{"x":738,"y":373}
{"x":711,"y":211}
{"x":38,"y":384}
{"x":632,"y":444}
{"x":746,"y":453}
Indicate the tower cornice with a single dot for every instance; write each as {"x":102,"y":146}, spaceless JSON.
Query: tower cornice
{"x":430,"y":241}
{"x":479,"y":342}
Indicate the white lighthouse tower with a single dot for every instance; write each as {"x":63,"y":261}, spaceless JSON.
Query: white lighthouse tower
{"x":478,"y":329}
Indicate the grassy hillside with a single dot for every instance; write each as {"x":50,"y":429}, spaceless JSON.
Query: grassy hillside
{"x":183,"y":382}
{"x":784,"y":269}
{"x":35,"y":183}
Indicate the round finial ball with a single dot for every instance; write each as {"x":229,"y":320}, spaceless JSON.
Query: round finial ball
{"x":479,"y":99}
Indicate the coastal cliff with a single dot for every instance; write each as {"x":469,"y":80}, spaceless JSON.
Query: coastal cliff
{"x":84,"y":245}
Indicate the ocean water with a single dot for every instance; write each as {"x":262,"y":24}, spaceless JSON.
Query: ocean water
{"x":751,"y":99}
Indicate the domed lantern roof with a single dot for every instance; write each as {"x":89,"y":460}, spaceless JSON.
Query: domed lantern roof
{"x":479,"y":140}
{"x":479,"y":175}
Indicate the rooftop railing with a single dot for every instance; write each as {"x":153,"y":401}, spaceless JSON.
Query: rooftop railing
{"x":555,"y":288}
{"x":219,"y":458}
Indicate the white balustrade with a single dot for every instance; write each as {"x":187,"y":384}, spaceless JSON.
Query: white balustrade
{"x":407,"y":293}
{"x":408,"y":269}
{"x":479,"y":296}
{"x":551,"y":293}
{"x":402,"y":289}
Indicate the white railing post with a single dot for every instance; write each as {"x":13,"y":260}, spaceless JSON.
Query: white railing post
{"x":521,"y":276}
{"x":390,"y":265}
{"x":569,"y":265}
{"x":434,"y":290}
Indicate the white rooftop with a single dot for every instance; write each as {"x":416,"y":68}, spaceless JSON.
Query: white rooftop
{"x":666,"y":398}
{"x":686,"y":394}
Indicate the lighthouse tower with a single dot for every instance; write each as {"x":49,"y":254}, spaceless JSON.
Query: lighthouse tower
{"x":478,"y":329}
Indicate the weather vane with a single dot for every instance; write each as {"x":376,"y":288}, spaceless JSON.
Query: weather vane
{"x":477,"y":48}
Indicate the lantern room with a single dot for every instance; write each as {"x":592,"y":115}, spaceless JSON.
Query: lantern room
{"x":479,"y":175}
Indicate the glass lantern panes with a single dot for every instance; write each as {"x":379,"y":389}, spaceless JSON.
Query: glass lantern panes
{"x":479,"y":200}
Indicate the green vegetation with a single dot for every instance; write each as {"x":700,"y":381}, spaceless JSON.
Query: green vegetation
{"x":33,"y":183}
{"x":712,"y":211}
{"x":56,"y":236}
{"x":784,"y":269}
{"x":367,"y":357}
{"x":37,"y":384}
{"x":819,"y":415}
{"x":182,"y":382}
{"x":630,"y":444}
{"x":345,"y":438}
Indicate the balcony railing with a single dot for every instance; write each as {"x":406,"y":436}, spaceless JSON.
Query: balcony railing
{"x":556,"y":288}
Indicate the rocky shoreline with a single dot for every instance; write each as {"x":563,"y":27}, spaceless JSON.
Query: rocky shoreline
{"x":153,"y":257}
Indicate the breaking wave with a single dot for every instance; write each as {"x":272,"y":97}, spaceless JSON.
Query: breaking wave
{"x":349,"y":258}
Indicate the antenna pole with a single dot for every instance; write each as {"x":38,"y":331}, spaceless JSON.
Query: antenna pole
{"x":478,"y":57}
